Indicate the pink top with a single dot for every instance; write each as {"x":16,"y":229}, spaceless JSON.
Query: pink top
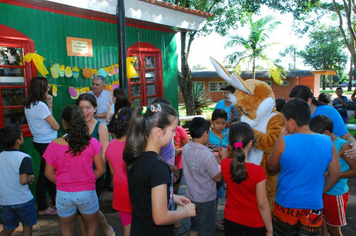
{"x":121,"y":199}
{"x":73,"y":173}
{"x":180,"y":135}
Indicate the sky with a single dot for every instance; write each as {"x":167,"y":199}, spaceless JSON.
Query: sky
{"x":213,"y":45}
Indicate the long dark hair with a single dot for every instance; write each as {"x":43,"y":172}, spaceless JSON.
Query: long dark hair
{"x":87,"y":97}
{"x":239,"y":133}
{"x":142,"y":122}
{"x":121,"y":99}
{"x":77,"y":130}
{"x":122,"y":121}
{"x":36,"y":91}
{"x":304,"y":93}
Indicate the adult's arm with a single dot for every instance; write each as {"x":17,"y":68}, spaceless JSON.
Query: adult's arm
{"x":351,"y":153}
{"x":351,"y":172}
{"x":52,"y":122}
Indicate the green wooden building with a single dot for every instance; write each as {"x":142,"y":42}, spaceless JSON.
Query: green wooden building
{"x":52,"y":29}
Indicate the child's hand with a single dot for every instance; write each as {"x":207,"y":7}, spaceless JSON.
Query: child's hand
{"x":189,"y":209}
{"x":269,"y":233}
{"x":284,"y":132}
{"x":223,"y":152}
{"x":181,"y":200}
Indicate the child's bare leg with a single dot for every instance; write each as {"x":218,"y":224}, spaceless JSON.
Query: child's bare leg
{"x":7,"y":232}
{"x":27,"y":230}
{"x":324,"y":229}
{"x":109,"y":231}
{"x":81,"y":226}
{"x":91,"y":222}
{"x":334,"y":231}
{"x":193,"y":233}
{"x":67,"y":225}
{"x":127,"y":229}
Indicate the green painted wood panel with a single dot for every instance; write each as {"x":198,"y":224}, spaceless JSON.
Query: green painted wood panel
{"x":49,"y":31}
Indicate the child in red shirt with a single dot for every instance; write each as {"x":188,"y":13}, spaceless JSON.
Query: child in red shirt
{"x":246,"y":209}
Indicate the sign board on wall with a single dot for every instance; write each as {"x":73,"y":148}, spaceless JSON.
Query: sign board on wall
{"x":79,"y":47}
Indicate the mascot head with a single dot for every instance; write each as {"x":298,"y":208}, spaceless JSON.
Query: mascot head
{"x":254,"y":99}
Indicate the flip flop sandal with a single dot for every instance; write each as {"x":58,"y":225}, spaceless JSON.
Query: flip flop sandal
{"x":48,"y":212}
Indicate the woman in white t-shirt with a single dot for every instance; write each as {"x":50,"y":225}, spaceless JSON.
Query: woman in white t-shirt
{"x":43,"y":126}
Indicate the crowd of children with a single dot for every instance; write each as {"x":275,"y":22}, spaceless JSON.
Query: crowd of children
{"x":310,"y":156}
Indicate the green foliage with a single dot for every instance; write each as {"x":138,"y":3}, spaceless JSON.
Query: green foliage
{"x":324,"y":51}
{"x":254,"y":46}
{"x":201,"y":98}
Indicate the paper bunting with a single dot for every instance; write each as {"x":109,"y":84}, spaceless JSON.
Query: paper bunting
{"x":87,"y":74}
{"x":102,"y":72}
{"x":54,"y":90}
{"x":54,"y":71}
{"x":38,"y":61}
{"x":131,"y":72}
{"x":75,"y":72}
{"x":68,"y":72}
{"x":62,"y":70}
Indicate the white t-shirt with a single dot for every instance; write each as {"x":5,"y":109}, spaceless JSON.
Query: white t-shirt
{"x":12,"y":165}
{"x":42,"y":132}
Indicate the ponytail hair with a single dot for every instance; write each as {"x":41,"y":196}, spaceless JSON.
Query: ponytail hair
{"x":240,"y":136}
{"x":78,"y":136}
{"x":143,"y":120}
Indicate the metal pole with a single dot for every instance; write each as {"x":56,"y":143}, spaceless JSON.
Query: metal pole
{"x":121,"y":31}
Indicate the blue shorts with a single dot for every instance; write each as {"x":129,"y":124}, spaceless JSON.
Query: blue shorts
{"x":68,"y":203}
{"x":10,"y":213}
{"x":204,"y":221}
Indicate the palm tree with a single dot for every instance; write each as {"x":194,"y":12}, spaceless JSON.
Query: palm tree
{"x":254,"y":47}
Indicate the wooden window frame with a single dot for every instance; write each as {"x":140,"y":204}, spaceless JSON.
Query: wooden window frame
{"x":143,"y":50}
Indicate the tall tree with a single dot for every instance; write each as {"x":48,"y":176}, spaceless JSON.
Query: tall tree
{"x":324,"y":51}
{"x":227,"y":14}
{"x":254,"y":46}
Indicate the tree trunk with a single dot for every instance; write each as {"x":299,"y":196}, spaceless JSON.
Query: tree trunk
{"x":323,"y":82}
{"x":185,"y":79}
{"x":350,"y":77}
{"x":253,"y":68}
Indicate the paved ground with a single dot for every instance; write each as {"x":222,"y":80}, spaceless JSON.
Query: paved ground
{"x":49,"y":225}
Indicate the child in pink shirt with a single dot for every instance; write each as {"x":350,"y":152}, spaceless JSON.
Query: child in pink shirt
{"x":121,"y":199}
{"x":69,"y":164}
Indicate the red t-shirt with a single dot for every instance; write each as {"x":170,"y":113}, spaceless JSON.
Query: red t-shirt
{"x":180,"y":135}
{"x":241,"y":204}
{"x":121,"y":197}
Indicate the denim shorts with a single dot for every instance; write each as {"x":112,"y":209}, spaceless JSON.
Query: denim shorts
{"x":204,"y":221}
{"x":26,"y":211}
{"x":68,"y":203}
